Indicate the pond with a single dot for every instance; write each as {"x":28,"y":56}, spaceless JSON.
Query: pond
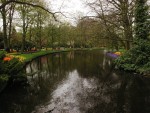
{"x":77,"y":82}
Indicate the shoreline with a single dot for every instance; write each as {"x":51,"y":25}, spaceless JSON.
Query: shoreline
{"x":30,"y":56}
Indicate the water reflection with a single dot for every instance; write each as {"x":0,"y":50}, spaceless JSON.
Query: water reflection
{"x":77,"y":82}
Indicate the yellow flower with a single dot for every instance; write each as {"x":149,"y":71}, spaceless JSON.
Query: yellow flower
{"x":118,"y":53}
{"x":20,"y":58}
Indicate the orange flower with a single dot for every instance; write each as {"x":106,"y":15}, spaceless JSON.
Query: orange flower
{"x":7,"y":58}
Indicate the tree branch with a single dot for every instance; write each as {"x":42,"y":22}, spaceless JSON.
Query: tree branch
{"x":30,"y":4}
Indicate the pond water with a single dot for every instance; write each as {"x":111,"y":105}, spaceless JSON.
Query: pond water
{"x":77,"y":82}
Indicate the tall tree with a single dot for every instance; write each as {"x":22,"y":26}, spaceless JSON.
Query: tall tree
{"x":25,"y":14}
{"x":141,"y":21}
{"x":116,"y":14}
{"x":41,"y":17}
{"x":5,"y":3}
{"x":4,"y":13}
{"x":138,"y":58}
{"x":10,"y":21}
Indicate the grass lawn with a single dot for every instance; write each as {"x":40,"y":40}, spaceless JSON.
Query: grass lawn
{"x":28,"y":56}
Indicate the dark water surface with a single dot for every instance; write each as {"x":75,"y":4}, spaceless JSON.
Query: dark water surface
{"x":77,"y":82}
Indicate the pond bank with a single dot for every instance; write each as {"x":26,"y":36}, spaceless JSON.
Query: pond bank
{"x":11,"y":70}
{"x":29,"y":56}
{"x":78,"y":81}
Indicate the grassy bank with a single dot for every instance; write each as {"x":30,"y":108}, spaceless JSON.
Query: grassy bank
{"x":29,"y":56}
{"x":11,"y":69}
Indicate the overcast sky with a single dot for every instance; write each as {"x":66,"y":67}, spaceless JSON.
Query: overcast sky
{"x":71,"y":8}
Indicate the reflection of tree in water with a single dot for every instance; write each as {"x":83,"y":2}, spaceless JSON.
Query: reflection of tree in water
{"x":103,"y":90}
{"x":125,"y":95}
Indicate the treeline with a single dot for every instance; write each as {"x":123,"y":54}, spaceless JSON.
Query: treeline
{"x":126,"y":23}
{"x":117,"y":19}
{"x":31,"y":24}
{"x":27,"y":24}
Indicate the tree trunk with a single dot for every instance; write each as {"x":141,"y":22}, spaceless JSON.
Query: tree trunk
{"x":5,"y":30}
{"x":126,"y":24}
{"x":30,"y":34}
{"x":11,"y":13}
{"x":10,"y":30}
{"x":23,"y":35}
{"x":40,"y":31}
{"x":128,"y":37}
{"x":52,"y":38}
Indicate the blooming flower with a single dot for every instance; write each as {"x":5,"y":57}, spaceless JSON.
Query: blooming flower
{"x":118,"y":53}
{"x":7,"y":58}
{"x":10,"y":57}
{"x":112,"y":55}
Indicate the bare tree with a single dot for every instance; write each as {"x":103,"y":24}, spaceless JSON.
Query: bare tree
{"x":10,"y":19}
{"x":117,"y":16}
{"x":3,"y":13}
{"x":3,"y":10}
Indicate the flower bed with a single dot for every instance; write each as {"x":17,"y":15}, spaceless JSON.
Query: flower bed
{"x":7,"y":58}
{"x":113,"y":55}
{"x":10,"y":57}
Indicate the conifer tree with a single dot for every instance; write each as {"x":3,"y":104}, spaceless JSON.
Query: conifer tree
{"x":138,"y":57}
{"x":141,"y":21}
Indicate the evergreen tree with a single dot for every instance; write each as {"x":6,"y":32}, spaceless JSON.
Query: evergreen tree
{"x":138,"y":58}
{"x":141,"y":21}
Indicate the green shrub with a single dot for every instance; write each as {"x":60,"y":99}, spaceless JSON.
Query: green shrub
{"x":11,"y":67}
{"x":137,"y":59}
{"x":2,"y":54}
